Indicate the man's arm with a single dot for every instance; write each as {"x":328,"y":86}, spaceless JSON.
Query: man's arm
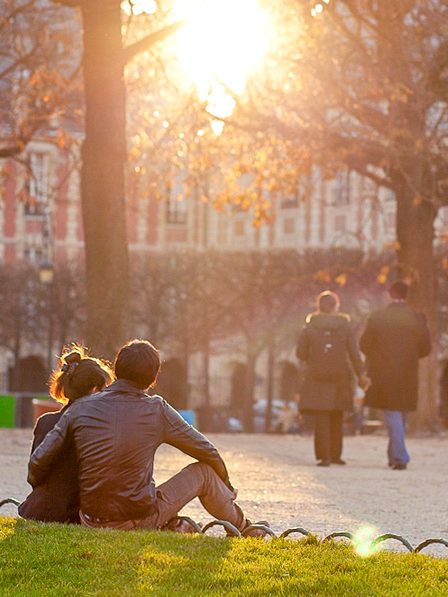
{"x":43,"y":457}
{"x":184,"y":437}
{"x":367,"y":340}
{"x":354,"y":354}
{"x":303,"y":345}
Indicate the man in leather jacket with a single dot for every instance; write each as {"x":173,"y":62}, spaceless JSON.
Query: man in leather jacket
{"x":116,"y":433}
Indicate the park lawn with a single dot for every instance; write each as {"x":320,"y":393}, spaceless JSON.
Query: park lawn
{"x":51,"y":559}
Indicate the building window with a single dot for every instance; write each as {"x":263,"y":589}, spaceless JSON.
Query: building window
{"x":33,"y":255}
{"x":341,"y":189}
{"x":340,"y":222}
{"x":301,"y":193}
{"x":238,"y":228}
{"x":222,"y":229}
{"x":289,"y":226}
{"x":389,"y":196}
{"x":390,"y":219}
{"x":176,"y":208}
{"x":37,"y":185}
{"x":290,"y":203}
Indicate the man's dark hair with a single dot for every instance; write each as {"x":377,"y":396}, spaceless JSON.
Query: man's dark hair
{"x":327,"y":302}
{"x":399,"y":290}
{"x":138,"y":361}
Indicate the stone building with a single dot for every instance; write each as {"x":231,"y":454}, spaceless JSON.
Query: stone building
{"x":40,"y":221}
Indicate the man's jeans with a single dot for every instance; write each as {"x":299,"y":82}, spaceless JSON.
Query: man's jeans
{"x":195,"y":480}
{"x":396,"y":428}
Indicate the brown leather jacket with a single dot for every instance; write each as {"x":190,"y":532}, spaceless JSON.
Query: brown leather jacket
{"x":116,"y":433}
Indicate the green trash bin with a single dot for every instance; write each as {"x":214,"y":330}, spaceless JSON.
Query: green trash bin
{"x":7,"y":410}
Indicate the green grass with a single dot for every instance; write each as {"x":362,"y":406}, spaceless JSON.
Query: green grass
{"x":50,"y":559}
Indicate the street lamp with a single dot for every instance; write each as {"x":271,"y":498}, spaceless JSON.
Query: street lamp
{"x":46,"y":277}
{"x":46,"y":273}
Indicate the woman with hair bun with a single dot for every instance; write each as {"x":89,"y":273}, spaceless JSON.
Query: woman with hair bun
{"x":57,"y":499}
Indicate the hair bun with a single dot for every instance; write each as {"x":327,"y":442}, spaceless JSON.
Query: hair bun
{"x":73,"y":357}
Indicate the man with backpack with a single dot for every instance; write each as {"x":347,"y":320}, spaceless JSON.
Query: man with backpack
{"x":328,"y":346}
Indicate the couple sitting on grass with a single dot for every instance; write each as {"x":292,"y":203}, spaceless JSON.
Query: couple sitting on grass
{"x":93,"y":461}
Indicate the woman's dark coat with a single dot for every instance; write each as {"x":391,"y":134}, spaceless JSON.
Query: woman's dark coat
{"x":318,"y":395}
{"x":394,"y":340}
{"x":57,"y":499}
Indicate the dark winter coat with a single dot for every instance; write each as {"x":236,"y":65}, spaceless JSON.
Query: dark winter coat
{"x":57,"y":498}
{"x":394,"y":340}
{"x":318,"y":394}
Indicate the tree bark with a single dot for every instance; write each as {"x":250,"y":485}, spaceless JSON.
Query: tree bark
{"x":186,"y":365}
{"x":270,"y":388}
{"x":102,"y":178}
{"x":206,"y":371}
{"x":415,"y":236}
{"x":248,"y":392}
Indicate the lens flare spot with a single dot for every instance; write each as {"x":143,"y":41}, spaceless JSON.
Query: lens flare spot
{"x":363,"y":541}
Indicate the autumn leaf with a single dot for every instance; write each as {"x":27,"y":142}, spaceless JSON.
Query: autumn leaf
{"x":322,"y":276}
{"x":341,"y":279}
{"x":392,"y":246}
{"x":383,"y":275}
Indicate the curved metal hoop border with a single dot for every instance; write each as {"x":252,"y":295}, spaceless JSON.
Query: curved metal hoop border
{"x":232,"y":531}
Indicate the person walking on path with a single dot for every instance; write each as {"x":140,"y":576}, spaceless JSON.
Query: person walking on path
{"x":328,"y":346}
{"x":116,"y":433}
{"x":394,"y":340}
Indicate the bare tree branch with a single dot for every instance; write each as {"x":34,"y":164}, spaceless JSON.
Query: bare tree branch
{"x":150,"y":40}
{"x":71,"y":3}
{"x":12,"y":150}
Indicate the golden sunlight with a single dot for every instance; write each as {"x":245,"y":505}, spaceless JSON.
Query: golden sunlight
{"x":138,"y":7}
{"x":220,"y":46}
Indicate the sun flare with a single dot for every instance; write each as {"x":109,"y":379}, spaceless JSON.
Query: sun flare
{"x":364,"y":541}
{"x":139,"y":7}
{"x":220,"y":46}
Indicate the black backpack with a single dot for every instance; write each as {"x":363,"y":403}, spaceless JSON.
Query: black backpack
{"x":328,"y":353}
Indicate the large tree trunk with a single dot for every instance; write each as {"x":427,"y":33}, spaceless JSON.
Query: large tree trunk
{"x":270,"y":387}
{"x":206,"y":372}
{"x":102,"y":178}
{"x":415,"y":235}
{"x":248,"y":391}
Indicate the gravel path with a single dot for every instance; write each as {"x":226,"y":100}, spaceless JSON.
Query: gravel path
{"x":278,"y":481}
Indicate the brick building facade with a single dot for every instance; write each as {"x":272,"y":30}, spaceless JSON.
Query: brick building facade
{"x":40,"y":220}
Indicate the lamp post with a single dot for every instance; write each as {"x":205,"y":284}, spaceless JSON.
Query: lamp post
{"x":46,"y":277}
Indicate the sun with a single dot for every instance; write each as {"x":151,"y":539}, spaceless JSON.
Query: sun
{"x":220,"y":46}
{"x":139,"y":7}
